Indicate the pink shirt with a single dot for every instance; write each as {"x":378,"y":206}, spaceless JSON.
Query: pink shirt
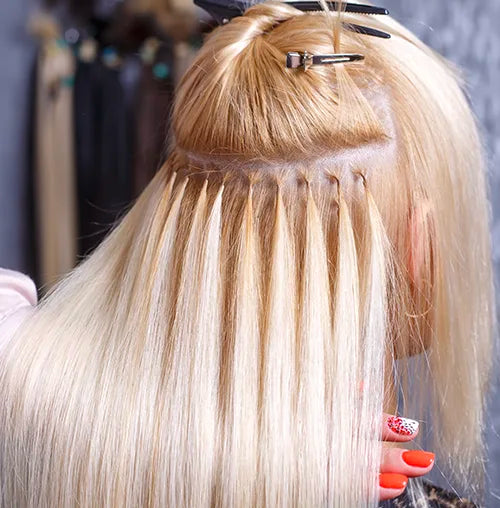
{"x":18,"y":299}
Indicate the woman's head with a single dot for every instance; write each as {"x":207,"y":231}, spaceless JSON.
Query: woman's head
{"x":232,"y":341}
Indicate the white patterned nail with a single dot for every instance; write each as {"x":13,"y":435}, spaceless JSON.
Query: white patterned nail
{"x":402,"y":426}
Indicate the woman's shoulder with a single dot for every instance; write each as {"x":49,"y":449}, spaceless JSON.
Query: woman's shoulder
{"x":18,"y":297}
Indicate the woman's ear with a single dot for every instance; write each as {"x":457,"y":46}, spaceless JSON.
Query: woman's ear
{"x":419,"y":269}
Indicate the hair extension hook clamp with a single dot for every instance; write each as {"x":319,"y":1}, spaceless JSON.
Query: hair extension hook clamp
{"x":294,"y":59}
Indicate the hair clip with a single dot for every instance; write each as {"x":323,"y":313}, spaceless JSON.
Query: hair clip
{"x":294,"y":59}
{"x":366,"y":30}
{"x":223,"y":12}
{"x":346,"y":7}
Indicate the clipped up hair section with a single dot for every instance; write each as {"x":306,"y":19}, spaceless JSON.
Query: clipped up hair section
{"x":239,"y":99}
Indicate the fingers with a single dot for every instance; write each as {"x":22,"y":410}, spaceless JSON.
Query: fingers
{"x":397,"y":466}
{"x":398,"y":429}
{"x":410,"y":463}
{"x":391,"y":485}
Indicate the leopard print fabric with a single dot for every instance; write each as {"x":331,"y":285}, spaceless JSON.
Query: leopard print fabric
{"x":436,"y":498}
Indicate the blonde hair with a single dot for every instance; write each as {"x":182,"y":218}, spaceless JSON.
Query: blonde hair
{"x":232,"y":342}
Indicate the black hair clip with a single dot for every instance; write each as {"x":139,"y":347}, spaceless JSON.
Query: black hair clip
{"x":225,"y":10}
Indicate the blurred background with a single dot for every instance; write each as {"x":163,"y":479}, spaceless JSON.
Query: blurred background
{"x":85,"y":94}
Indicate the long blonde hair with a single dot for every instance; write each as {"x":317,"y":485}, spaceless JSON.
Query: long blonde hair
{"x":230,"y":343}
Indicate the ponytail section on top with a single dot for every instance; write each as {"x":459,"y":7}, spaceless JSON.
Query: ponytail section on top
{"x":239,"y":100}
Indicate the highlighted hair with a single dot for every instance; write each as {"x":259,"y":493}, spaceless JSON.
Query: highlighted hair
{"x":233,"y":341}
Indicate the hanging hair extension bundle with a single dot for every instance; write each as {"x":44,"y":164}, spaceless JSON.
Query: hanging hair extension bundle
{"x":54,"y":164}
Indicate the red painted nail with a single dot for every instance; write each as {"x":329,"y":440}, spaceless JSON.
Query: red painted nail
{"x":402,"y":426}
{"x":418,"y":458}
{"x":393,"y":481}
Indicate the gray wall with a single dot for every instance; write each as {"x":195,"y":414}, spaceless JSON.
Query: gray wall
{"x":466,"y":32}
{"x":16,"y":57}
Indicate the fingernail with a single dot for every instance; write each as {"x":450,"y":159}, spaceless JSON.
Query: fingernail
{"x":418,"y":458}
{"x":393,"y":481}
{"x":402,"y":426}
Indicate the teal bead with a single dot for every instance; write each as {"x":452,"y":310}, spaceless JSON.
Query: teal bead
{"x":61,"y":43}
{"x":161,"y":70}
{"x":68,"y":81}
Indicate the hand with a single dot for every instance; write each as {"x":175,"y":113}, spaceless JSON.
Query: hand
{"x":398,"y":464}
